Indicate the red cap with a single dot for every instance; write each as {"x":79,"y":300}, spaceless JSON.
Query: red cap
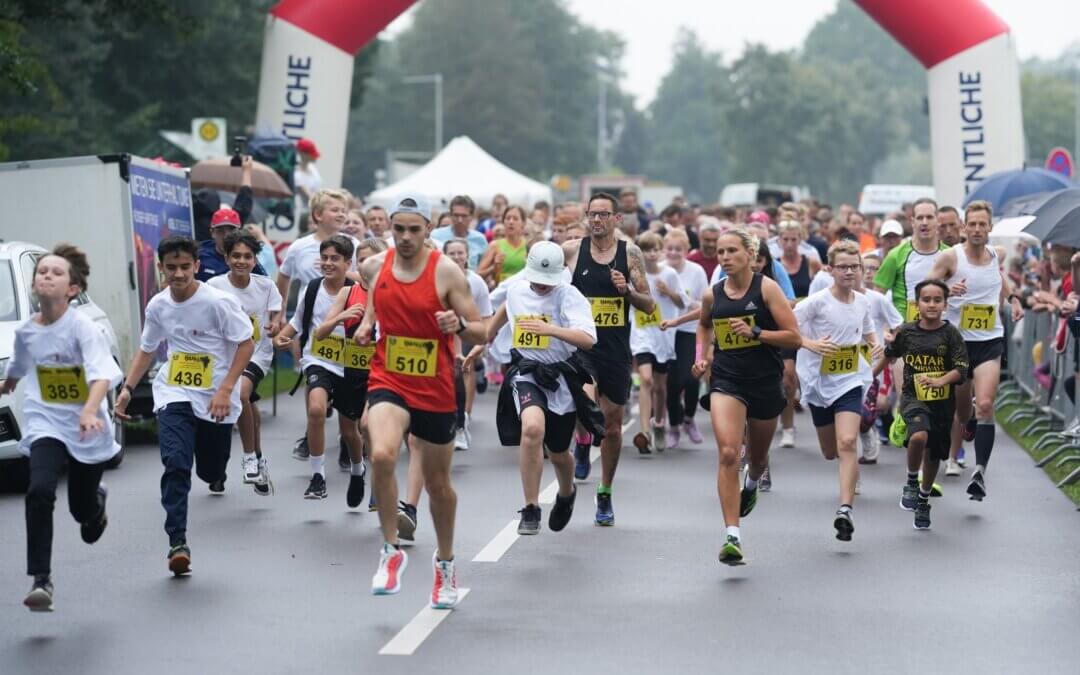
{"x":225,"y":216}
{"x":759,"y":217}
{"x":307,"y":146}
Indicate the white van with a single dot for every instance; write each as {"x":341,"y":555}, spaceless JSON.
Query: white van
{"x":880,"y":200}
{"x":761,"y":194}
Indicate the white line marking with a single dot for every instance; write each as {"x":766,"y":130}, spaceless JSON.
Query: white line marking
{"x":409,"y":638}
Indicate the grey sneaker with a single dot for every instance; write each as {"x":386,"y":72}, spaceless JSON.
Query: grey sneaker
{"x":659,"y":438}
{"x":530,"y":519}
{"x":909,"y":497}
{"x":922,"y":515}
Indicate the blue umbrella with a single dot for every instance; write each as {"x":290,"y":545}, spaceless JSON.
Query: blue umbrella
{"x":1008,"y":185}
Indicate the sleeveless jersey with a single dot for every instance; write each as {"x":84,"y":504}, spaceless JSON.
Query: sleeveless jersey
{"x":611,"y":311}
{"x":976,"y":313}
{"x":800,"y":280}
{"x":514,"y":261}
{"x":413,"y":358}
{"x":736,"y":358}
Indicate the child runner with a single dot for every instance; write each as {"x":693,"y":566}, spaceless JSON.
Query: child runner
{"x":69,"y":372}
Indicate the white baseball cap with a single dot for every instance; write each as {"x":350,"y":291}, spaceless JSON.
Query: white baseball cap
{"x":891,"y":227}
{"x":412,"y":204}
{"x":545,"y":264}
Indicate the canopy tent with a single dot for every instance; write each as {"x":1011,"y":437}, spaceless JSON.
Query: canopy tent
{"x":464,"y":168}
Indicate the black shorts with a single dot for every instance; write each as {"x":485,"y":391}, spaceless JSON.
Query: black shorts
{"x":612,"y":376}
{"x":437,"y":428}
{"x":558,"y":429}
{"x":256,"y":375}
{"x":851,"y":401}
{"x":764,"y":399}
{"x":645,"y":358}
{"x":983,"y":351}
{"x":933,"y":417}
{"x":789,"y":354}
{"x":347,"y":394}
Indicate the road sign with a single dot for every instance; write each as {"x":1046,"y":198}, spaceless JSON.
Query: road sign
{"x":1061,"y":161}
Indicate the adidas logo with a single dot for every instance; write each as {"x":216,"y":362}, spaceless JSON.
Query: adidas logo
{"x":750,"y":305}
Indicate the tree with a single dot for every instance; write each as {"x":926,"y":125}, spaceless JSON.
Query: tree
{"x":1049,"y":114}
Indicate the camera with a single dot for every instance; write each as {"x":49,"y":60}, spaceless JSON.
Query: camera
{"x":238,"y":146}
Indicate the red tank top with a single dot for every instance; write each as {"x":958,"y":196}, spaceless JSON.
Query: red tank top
{"x":357,"y":296}
{"x":413,"y":358}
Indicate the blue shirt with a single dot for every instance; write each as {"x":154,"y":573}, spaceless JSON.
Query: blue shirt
{"x":476,"y":242}
{"x":780,"y":275}
{"x":212,"y":263}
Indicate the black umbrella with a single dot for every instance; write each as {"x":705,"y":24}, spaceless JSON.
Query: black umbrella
{"x":1057,"y":220}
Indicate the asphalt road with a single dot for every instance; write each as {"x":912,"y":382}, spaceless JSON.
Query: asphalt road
{"x":282,"y":585}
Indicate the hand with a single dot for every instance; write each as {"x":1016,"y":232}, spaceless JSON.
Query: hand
{"x":1018,"y":310}
{"x":699,"y":368}
{"x":121,"y":404}
{"x":362,"y":336}
{"x":741,"y":328}
{"x":877,"y":352}
{"x":8,"y":385}
{"x":468,"y":362}
{"x":1069,"y":306}
{"x":959,"y":288}
{"x":535,"y":326}
{"x":619,"y":281}
{"x":220,"y":405}
{"x":247,"y":163}
{"x":927,"y":381}
{"x":459,"y":363}
{"x":353,"y":312}
{"x":281,"y":341}
{"x":448,"y":321}
{"x":667,"y":323}
{"x":275,"y":326}
{"x":256,"y":231}
{"x":499,"y":257}
{"x":90,"y":423}
{"x":823,"y":347}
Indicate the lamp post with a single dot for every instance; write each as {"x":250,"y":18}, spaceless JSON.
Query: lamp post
{"x":437,"y":80}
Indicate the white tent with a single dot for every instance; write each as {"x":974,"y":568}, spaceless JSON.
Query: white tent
{"x":464,"y":168}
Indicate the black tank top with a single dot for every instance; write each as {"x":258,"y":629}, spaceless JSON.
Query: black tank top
{"x":611,"y":311}
{"x":736,"y":358}
{"x":800,"y":281}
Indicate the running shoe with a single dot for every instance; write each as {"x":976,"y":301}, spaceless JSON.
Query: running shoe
{"x":952,"y":468}
{"x":747,"y":498}
{"x":765,"y":482}
{"x":93,"y":530}
{"x":180,"y":559}
{"x":731,"y":552}
{"x":344,"y":462}
{"x":39,"y":599}
{"x":673,"y":437}
{"x":605,"y":514}
{"x":316,"y":488}
{"x":217,"y":487}
{"x":444,"y":593}
{"x":871,"y":447}
{"x":961,"y":458}
{"x":844,"y":525}
{"x":692,"y":432}
{"x":969,"y":429}
{"x":264,"y":487}
{"x":582,"y":465}
{"x":354,"y":497}
{"x":371,"y":506}
{"x":922,"y":515}
{"x":529,"y":523}
{"x":976,"y":489}
{"x":250,"y":466}
{"x":909,"y":498}
{"x":641,"y":442}
{"x":935,"y":489}
{"x":787,"y":438}
{"x":300,"y":449}
{"x":561,"y":511}
{"x":460,"y":442}
{"x":406,"y":522}
{"x":659,"y":438}
{"x":392,"y":564}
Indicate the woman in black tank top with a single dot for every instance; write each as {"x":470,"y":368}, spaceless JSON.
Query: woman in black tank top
{"x":749,"y":320}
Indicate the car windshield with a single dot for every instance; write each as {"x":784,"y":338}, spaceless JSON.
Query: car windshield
{"x":9,"y":303}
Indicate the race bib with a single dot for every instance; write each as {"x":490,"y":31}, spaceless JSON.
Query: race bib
{"x":357,"y":356}
{"x":62,"y":384}
{"x":411,"y":356}
{"x":843,"y":362}
{"x":924,"y":393}
{"x":256,"y":331}
{"x":727,"y":340}
{"x":526,"y":340}
{"x":977,"y":317}
{"x":330,"y":348}
{"x":867,"y":353}
{"x":191,"y":371}
{"x":912,"y":313}
{"x":608,"y":312}
{"x":647,"y":320}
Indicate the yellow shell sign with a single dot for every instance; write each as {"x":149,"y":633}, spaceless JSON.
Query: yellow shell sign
{"x":209,"y":131}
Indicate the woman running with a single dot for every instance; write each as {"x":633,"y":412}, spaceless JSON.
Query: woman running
{"x":506,"y":257}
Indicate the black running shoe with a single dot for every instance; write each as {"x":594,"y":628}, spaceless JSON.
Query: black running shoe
{"x":217,"y":487}
{"x":406,"y":522}
{"x":922,"y":515}
{"x":976,"y":489}
{"x":582,"y":465}
{"x":747,"y":500}
{"x":355,"y":495}
{"x":300,"y":449}
{"x":843,"y":524}
{"x":39,"y":599}
{"x":344,"y":462}
{"x":909,"y":498}
{"x":316,"y":488}
{"x":530,"y":519}
{"x":180,"y":559}
{"x":605,"y":513}
{"x":561,"y":511}
{"x":93,"y":530}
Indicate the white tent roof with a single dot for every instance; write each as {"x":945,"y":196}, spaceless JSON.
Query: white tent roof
{"x":464,"y":168}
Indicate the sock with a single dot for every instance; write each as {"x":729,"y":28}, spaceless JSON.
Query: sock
{"x":845,"y":508}
{"x":603,"y":490}
{"x":979,"y":468}
{"x":912,"y":477}
{"x":984,"y":442}
{"x":318,"y":464}
{"x":732,"y":531}
{"x":924,"y":495}
{"x":750,"y":483}
{"x":249,"y":455}
{"x":357,"y":469}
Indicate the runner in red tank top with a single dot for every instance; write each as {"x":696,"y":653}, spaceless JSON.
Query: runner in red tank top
{"x":421,"y":299}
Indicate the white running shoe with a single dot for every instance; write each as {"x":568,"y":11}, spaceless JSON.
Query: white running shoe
{"x":787,"y":438}
{"x":264,"y":487}
{"x":392,"y":563}
{"x":460,"y":441}
{"x":871,"y":446}
{"x":250,"y":464}
{"x":444,"y":594}
{"x":952,"y":468}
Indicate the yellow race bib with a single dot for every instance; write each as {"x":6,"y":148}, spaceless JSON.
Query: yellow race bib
{"x":411,"y":356}
{"x":526,"y":340}
{"x":843,"y":362}
{"x":330,"y":348}
{"x":357,"y":356}
{"x":924,"y":393}
{"x":650,"y":320}
{"x":191,"y":371}
{"x":608,"y":312}
{"x":727,"y":340}
{"x":256,"y":331}
{"x":978,"y":317}
{"x":912,"y":313}
{"x":62,"y":384}
{"x":867,"y":353}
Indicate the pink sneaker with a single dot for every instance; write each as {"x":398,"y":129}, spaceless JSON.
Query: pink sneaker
{"x":673,"y":437}
{"x":444,"y":593}
{"x":692,"y":431}
{"x":392,"y":562}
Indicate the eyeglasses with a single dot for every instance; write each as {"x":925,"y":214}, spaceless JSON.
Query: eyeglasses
{"x":847,"y":268}
{"x":599,"y":215}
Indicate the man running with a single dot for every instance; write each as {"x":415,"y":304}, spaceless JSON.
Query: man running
{"x":611,"y":274}
{"x":422,"y":299}
{"x":911,"y":262}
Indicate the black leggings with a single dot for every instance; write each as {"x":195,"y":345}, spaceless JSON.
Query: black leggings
{"x":48,"y":458}
{"x":682,"y":388}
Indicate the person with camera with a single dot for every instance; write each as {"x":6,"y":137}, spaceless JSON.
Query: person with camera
{"x":224,"y":222}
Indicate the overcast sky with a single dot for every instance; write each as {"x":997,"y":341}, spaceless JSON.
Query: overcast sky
{"x":1042,"y":28}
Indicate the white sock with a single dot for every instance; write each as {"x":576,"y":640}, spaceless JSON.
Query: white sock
{"x":732,"y":531}
{"x":249,"y":455}
{"x":981,"y":469}
{"x":357,"y":469}
{"x":750,"y":482}
{"x":318,"y":465}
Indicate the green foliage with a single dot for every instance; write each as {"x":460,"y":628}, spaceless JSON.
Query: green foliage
{"x":1049,"y":113}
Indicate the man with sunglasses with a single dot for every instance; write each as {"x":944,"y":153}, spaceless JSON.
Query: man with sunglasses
{"x":212,"y":262}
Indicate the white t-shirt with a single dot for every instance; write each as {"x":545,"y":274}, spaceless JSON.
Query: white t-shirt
{"x":73,"y":340}
{"x":694,"y":284}
{"x":500,"y":346}
{"x":257,"y":300}
{"x":480,"y":293}
{"x":302,"y":259}
{"x":652,"y":340}
{"x":564,"y":306}
{"x":822,"y":280}
{"x":323,"y":301}
{"x":883,"y":313}
{"x":821,"y":315}
{"x":210,"y":322}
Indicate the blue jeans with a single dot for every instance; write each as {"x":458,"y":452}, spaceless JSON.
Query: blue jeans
{"x":186,"y":440}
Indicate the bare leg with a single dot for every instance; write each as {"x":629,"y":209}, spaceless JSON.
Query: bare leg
{"x":645,"y":395}
{"x":963,"y":414}
{"x":728,"y":421}
{"x":387,"y":425}
{"x":414,"y":479}
{"x":246,"y":423}
{"x":435,"y":462}
{"x":611,"y":446}
{"x":316,"y":421}
{"x":846,"y":433}
{"x":532,"y":452}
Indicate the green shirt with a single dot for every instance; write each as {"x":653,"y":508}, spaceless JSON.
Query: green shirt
{"x":514,"y":260}
{"x":890,"y":275}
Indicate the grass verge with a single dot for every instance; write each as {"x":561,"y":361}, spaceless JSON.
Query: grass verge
{"x":1026,"y":442}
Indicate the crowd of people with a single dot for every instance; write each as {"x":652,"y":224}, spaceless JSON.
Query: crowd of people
{"x":884,"y":329}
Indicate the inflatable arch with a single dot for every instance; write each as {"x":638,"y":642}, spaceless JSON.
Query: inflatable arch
{"x":973,"y":77}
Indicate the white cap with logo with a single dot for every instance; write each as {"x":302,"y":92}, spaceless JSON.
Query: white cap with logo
{"x":545,"y":264}
{"x":891,"y":227}
{"x":412,"y":204}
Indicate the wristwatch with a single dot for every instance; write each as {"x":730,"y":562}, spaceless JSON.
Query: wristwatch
{"x":756,"y":330}
{"x":130,"y":391}
{"x":463,"y":324}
